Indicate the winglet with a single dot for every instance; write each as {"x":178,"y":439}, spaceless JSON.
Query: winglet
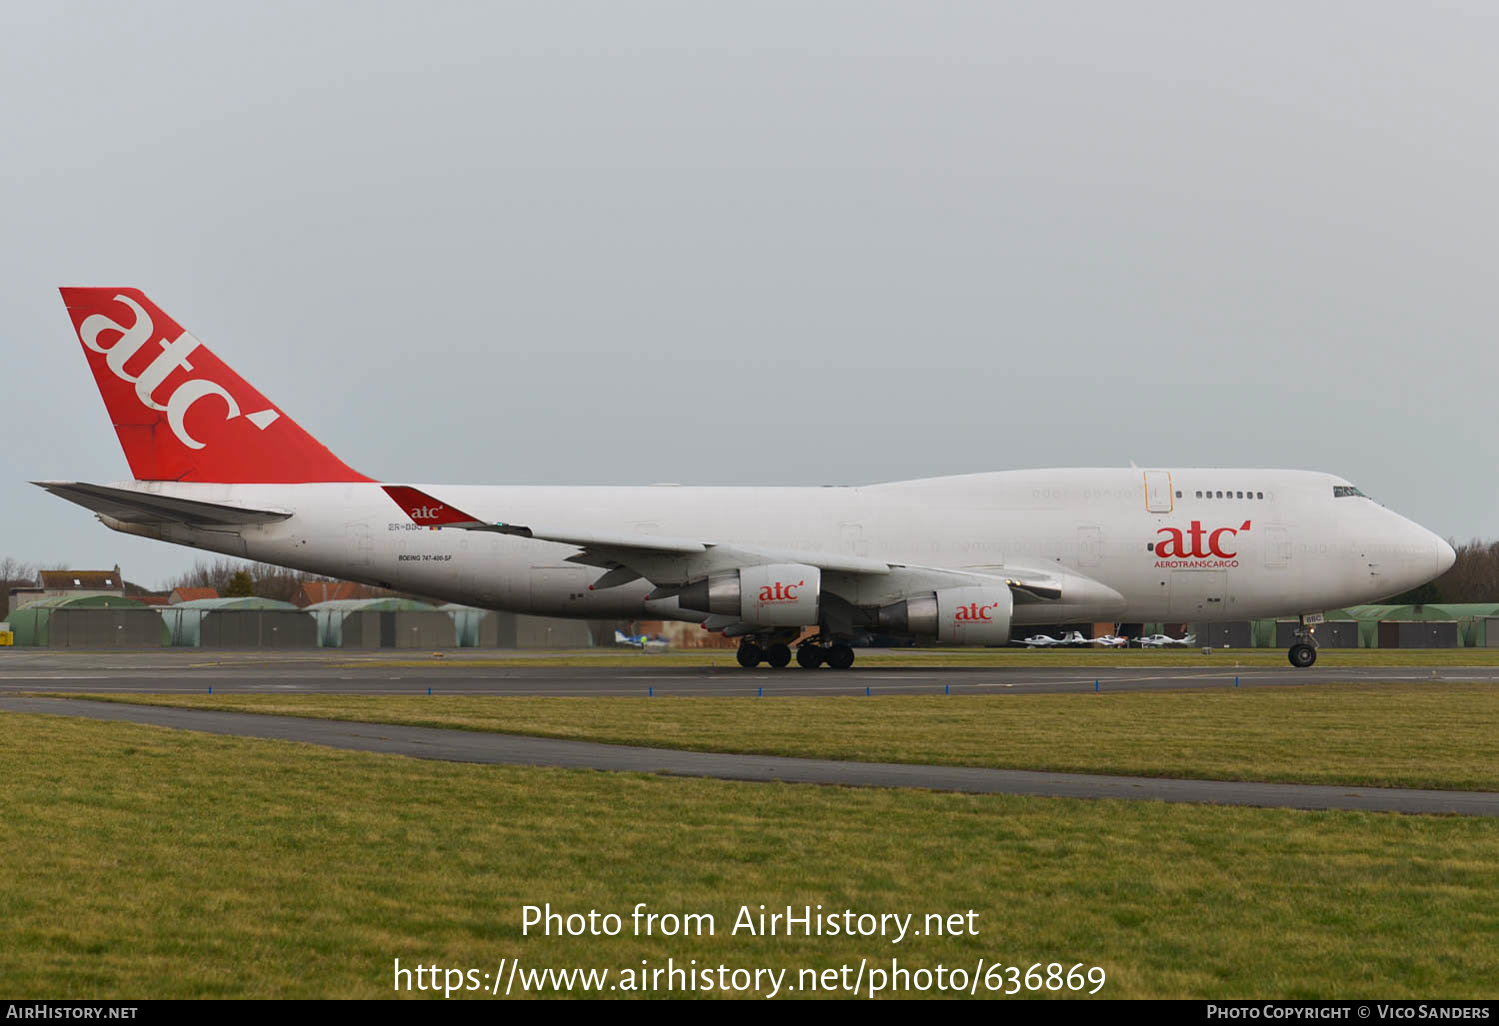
{"x":427,"y":511}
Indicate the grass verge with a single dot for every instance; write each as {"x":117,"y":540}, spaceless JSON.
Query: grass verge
{"x":1441,"y":735}
{"x":145,"y":862}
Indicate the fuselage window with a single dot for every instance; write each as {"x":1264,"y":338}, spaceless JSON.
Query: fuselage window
{"x":1261,"y":495}
{"x":1199,"y":495}
{"x":1220,"y":495}
{"x":1241,"y":495}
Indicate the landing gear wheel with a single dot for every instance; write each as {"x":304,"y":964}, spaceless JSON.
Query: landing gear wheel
{"x":810,"y":656}
{"x":1302,"y":656}
{"x":839,"y":657}
{"x":778,"y":655}
{"x":749,"y":655}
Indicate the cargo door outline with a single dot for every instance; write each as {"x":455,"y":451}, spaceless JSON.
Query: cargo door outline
{"x":1199,"y":594}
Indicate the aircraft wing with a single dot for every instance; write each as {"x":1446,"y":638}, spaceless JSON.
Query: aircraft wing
{"x":669,"y":563}
{"x":608,"y":546}
{"x":135,"y":507}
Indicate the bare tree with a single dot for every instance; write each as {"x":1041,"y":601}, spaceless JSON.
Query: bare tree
{"x":206,"y":573}
{"x":13,"y":574}
{"x":278,"y":582}
{"x":1475,"y":575}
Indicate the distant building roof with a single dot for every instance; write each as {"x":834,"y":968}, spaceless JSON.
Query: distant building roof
{"x":180,"y":595}
{"x":92,"y":580}
{"x":313,"y":592}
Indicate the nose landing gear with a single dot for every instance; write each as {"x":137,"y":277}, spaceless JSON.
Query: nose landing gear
{"x":1303,"y":651}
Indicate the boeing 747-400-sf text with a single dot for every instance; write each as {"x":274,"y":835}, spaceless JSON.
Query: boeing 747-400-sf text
{"x":960,"y":560}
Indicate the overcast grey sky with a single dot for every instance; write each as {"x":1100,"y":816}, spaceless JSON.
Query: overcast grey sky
{"x":767,"y":243}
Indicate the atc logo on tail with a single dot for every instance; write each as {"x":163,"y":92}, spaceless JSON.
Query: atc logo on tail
{"x":178,"y":409}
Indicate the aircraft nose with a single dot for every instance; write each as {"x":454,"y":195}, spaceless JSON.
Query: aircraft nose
{"x":1446,"y":556}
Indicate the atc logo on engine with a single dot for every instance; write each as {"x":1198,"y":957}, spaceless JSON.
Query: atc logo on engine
{"x":1198,"y":548}
{"x":975,"y":613}
{"x":780,"y":592}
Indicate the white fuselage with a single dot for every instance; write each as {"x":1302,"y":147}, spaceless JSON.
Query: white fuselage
{"x":1289,"y":547}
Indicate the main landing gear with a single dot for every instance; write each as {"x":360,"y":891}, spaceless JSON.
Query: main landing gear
{"x":1303,"y":652}
{"x":751,"y":655}
{"x":810,"y":654}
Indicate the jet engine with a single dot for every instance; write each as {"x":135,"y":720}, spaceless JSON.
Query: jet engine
{"x":958,"y":616}
{"x":774,"y":595}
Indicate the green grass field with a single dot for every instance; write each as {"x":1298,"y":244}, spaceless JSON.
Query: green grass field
{"x":1440,"y":735}
{"x":958,"y":657}
{"x":145,"y":862}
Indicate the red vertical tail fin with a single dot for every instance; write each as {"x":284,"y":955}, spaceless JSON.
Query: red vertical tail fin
{"x":180,"y":412}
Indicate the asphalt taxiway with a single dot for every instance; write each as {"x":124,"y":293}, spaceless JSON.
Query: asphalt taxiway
{"x":389,"y":673}
{"x":514,"y":749}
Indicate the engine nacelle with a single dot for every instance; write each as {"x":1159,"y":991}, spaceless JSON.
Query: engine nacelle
{"x":958,"y":616}
{"x":775,"y":595}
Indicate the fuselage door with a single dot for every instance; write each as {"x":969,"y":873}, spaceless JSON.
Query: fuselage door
{"x":1089,"y":545}
{"x":851,"y":540}
{"x":557,"y":590}
{"x":1158,"y":498}
{"x":1198,"y":594}
{"x":361,"y":546}
{"x":1277,"y":551}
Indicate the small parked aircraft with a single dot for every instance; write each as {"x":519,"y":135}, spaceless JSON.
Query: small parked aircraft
{"x":644,"y":642}
{"x":1166,"y":640}
{"x":1069,"y":639}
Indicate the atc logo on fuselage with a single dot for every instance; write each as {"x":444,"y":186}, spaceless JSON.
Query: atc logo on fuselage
{"x":1198,"y":548}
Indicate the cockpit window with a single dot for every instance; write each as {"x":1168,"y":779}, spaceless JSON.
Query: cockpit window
{"x":1346,"y":492}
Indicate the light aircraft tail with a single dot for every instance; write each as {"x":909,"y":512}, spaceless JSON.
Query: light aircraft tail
{"x":180,"y":412}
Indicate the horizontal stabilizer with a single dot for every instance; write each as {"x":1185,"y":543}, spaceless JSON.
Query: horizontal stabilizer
{"x":430,"y":512}
{"x":132,"y":507}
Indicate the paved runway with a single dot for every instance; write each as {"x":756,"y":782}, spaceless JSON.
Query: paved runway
{"x":476,"y":746}
{"x":363,"y":674}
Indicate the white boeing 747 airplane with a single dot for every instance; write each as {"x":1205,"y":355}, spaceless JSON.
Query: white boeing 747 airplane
{"x":960,"y":560}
